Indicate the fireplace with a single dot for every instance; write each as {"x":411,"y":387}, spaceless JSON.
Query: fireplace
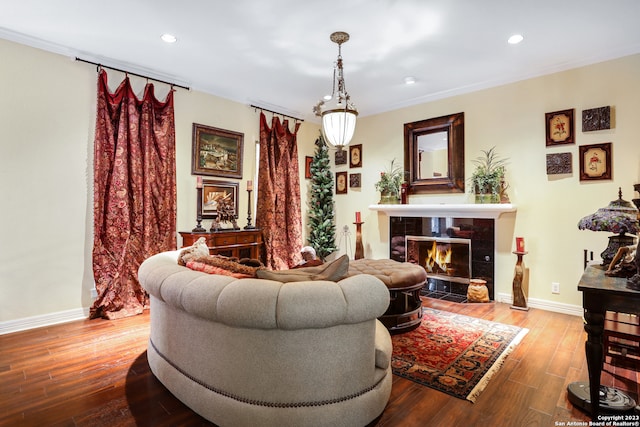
{"x":444,"y":258}
{"x":458,"y":249}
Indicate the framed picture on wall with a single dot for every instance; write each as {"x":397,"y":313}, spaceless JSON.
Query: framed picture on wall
{"x":307,"y":166}
{"x":560,"y":127}
{"x":355,"y":156}
{"x":354,"y":180}
{"x":341,"y":157}
{"x":341,"y":183}
{"x":216,"y":152}
{"x":595,"y":162}
{"x":213,"y":192}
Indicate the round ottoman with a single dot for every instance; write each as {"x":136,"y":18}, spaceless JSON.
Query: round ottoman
{"x":404,"y":281}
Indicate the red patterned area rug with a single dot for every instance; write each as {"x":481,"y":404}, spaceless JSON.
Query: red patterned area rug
{"x":453,"y":353}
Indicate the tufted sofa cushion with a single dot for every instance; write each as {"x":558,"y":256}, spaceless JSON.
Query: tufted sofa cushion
{"x":392,"y":273}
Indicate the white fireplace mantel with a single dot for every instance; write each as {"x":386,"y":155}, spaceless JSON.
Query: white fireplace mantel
{"x":461,"y":210}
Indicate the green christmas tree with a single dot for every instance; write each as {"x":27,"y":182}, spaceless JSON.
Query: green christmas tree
{"x":322,"y":236}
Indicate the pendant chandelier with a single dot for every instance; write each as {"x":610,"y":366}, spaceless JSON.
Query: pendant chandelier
{"x":337,"y":111}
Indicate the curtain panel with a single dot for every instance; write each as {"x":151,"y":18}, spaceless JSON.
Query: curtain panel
{"x":134,"y":193}
{"x":278,"y":204}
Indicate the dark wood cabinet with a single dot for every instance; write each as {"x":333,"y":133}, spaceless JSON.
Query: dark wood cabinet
{"x":231,"y":243}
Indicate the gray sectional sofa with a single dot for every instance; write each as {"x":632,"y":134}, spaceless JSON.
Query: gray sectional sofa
{"x":257,"y":352}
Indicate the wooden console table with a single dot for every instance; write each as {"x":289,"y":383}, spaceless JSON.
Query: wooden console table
{"x":600,"y":294}
{"x":231,"y":243}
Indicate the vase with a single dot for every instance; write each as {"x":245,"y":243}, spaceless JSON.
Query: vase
{"x":484,"y":198}
{"x":388,"y":198}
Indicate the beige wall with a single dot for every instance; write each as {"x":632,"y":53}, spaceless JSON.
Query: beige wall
{"x":47,"y":113}
{"x":47,"y":118}
{"x":511,"y":117}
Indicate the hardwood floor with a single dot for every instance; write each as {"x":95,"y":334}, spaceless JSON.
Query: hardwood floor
{"x":95,"y":373}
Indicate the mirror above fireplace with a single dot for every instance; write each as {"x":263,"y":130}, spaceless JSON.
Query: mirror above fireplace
{"x":434,"y":154}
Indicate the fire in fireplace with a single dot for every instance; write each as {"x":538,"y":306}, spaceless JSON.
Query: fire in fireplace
{"x":443,"y":258}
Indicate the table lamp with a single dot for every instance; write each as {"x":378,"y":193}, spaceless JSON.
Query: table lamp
{"x":619,"y":217}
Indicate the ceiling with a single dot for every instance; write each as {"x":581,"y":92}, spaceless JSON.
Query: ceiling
{"x":277,"y":54}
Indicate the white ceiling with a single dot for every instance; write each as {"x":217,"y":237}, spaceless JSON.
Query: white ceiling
{"x":277,"y":54}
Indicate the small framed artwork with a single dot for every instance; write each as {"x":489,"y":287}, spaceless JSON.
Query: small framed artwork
{"x":354,"y":180}
{"x":341,"y":157}
{"x":596,"y":119}
{"x":341,"y":183}
{"x":216,"y":152}
{"x":560,"y":127}
{"x":558,"y":163}
{"x":215,"y":191}
{"x":307,"y":166}
{"x":355,"y":156}
{"x":595,"y":161}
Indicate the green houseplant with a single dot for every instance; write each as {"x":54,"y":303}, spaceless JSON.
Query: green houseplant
{"x":488,"y":182}
{"x":389,"y":184}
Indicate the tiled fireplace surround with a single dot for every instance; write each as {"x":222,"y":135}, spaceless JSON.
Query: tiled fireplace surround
{"x":444,"y":221}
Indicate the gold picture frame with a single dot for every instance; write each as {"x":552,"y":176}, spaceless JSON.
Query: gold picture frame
{"x":216,"y":152}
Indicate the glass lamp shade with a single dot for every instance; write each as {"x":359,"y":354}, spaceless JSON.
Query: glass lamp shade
{"x":338,"y":126}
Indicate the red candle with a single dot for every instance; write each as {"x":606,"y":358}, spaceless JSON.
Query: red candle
{"x":199,"y":182}
{"x":358,"y":219}
{"x":519,"y":244}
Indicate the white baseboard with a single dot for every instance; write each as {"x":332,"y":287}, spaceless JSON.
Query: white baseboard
{"x":43,"y":320}
{"x":558,"y":307}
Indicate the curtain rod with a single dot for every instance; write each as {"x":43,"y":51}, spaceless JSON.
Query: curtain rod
{"x":134,"y":74}
{"x":255,"y":107}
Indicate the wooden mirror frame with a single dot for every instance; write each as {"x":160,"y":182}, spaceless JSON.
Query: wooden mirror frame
{"x":453,"y":124}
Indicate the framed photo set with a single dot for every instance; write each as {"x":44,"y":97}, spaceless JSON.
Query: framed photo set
{"x":341,"y":183}
{"x":595,"y":162}
{"x":307,"y":166}
{"x":216,"y":152}
{"x":213,"y":192}
{"x":560,"y":127}
{"x":355,"y":156}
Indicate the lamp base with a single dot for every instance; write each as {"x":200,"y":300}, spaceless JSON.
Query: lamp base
{"x":615,"y":242}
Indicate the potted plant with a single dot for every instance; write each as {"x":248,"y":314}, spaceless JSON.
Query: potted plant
{"x":389,"y":184}
{"x":488,"y":182}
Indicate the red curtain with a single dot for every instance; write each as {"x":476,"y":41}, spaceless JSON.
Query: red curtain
{"x":278,"y":205}
{"x":134,"y":193}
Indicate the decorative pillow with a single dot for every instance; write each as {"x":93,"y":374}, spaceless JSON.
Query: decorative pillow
{"x":211,"y":269}
{"x":199,"y":248}
{"x":229,"y":265}
{"x":332,"y":271}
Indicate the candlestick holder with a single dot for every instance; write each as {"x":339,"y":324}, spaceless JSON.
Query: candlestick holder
{"x":249,"y":226}
{"x":519,"y":299}
{"x":199,"y":228}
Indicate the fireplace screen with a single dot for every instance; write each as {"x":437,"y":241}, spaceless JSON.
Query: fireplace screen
{"x":443,"y":258}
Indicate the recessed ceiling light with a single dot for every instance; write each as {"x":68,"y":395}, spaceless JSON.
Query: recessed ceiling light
{"x":515,"y":39}
{"x":409,"y":80}
{"x":168,"y":38}
{"x":327,"y":97}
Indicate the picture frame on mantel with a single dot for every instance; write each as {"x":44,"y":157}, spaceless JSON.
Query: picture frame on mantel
{"x":595,"y":162}
{"x":560,"y":127}
{"x":216,"y":152}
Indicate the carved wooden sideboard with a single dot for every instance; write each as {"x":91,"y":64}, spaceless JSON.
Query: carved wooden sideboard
{"x":231,"y":243}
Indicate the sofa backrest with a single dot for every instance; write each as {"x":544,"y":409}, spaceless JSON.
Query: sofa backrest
{"x":261,"y":303}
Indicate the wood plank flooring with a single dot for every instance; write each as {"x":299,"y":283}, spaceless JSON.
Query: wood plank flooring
{"x":95,"y":373}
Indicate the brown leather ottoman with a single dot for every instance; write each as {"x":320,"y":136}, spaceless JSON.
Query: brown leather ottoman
{"x":404,"y":281}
